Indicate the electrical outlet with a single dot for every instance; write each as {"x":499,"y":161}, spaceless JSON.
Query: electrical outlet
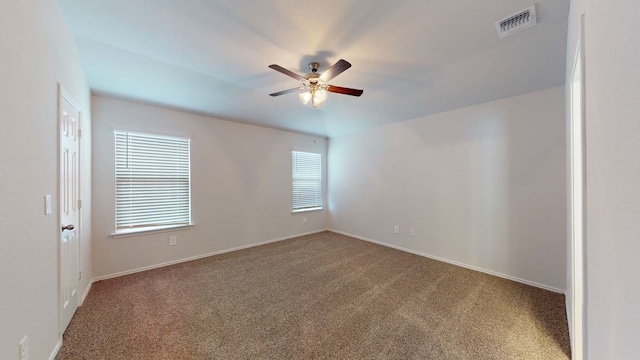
{"x":412,"y":232}
{"x":396,"y":229}
{"x":304,"y":219}
{"x":24,"y":348}
{"x":172,"y":240}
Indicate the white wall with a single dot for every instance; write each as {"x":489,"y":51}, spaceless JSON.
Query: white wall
{"x":483,"y":186}
{"x":241,"y":185}
{"x":36,"y":52}
{"x":612,"y":44}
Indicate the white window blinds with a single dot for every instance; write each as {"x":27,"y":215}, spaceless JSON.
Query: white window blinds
{"x":153,"y":186}
{"x":307,"y":180}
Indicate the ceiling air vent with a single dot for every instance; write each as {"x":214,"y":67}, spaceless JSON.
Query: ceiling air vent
{"x":516,"y":22}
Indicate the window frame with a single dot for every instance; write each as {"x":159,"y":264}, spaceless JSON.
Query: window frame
{"x":317,"y":207}
{"x":151,"y":228}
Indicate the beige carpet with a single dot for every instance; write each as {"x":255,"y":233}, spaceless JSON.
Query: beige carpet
{"x":322,"y":296}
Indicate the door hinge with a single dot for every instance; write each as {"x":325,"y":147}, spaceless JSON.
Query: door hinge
{"x":79,"y":133}
{"x":80,"y":204}
{"x":79,"y":275}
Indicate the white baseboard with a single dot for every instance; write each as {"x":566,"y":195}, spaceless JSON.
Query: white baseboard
{"x":490,"y":272}
{"x":86,"y":292}
{"x":173,"y":262}
{"x":54,"y":353}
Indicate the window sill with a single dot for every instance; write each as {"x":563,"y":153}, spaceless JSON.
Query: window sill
{"x":307,"y":209}
{"x":148,"y":230}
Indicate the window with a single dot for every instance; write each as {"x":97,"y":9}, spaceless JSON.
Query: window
{"x":307,"y":181}
{"x":153,"y":185}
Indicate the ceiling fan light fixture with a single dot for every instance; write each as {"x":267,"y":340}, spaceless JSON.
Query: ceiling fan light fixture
{"x":320,"y":96}
{"x":305,"y":97}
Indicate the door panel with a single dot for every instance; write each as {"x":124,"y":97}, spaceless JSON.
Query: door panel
{"x":69,"y":249}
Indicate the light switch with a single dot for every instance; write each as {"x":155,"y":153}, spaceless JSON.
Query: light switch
{"x":47,"y":204}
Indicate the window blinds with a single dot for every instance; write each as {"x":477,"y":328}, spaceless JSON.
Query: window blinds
{"x":153,"y":186}
{"x":307,"y":180}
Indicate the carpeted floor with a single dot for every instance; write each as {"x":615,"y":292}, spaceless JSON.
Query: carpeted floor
{"x":322,"y":296}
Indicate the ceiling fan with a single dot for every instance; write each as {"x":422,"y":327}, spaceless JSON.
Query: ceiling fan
{"x":316,"y":86}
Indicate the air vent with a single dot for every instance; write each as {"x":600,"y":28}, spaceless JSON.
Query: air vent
{"x":516,"y":22}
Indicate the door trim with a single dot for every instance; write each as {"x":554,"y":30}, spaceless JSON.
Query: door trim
{"x":64,"y":94}
{"x":578,"y":263}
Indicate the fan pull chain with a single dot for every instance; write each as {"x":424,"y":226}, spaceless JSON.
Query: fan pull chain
{"x":315,"y":125}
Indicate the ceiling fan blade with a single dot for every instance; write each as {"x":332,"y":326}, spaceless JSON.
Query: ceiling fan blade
{"x":335,"y":70}
{"x":344,"y":90}
{"x":287,"y":91}
{"x":287,"y":72}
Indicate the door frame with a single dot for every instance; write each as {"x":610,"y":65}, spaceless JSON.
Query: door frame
{"x":578,"y":249}
{"x":64,"y":94}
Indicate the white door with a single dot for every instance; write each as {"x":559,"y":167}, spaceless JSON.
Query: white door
{"x":578,"y":199}
{"x":69,"y":182}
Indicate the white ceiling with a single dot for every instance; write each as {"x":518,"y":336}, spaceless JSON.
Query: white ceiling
{"x":412,"y":58}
